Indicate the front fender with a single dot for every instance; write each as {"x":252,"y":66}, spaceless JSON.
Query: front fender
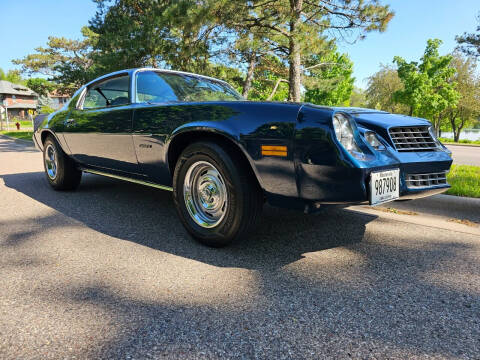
{"x":246,"y":125}
{"x":40,"y":135}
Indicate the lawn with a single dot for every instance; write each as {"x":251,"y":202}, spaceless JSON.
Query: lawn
{"x":25,"y":135}
{"x":465,"y":181}
{"x":25,"y":123}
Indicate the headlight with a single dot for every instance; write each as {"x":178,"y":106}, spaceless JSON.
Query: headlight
{"x":373,"y":140}
{"x":344,"y":133}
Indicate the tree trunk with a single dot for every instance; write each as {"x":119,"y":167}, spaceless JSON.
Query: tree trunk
{"x":247,"y":85}
{"x":456,"y":129}
{"x":295,"y":76}
{"x":456,"y":135}
{"x":436,"y":126}
{"x":275,"y":89}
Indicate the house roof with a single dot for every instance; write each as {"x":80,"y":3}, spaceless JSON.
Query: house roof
{"x":22,"y":106}
{"x":57,"y":94}
{"x":6,"y":87}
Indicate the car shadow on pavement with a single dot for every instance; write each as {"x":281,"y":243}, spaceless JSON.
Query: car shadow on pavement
{"x":363,"y":297}
{"x":147,"y":217}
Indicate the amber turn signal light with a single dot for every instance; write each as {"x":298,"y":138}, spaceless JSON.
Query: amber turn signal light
{"x":274,"y":150}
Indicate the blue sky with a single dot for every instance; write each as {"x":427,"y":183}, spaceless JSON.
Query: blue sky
{"x":27,"y":24}
{"x":415,"y":22}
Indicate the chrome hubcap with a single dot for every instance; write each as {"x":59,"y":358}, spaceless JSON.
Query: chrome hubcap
{"x":51,"y":161}
{"x":205,"y":194}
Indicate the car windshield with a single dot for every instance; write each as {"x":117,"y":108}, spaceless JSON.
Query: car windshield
{"x":154,"y":86}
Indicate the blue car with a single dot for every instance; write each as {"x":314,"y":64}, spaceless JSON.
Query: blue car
{"x":224,"y":157}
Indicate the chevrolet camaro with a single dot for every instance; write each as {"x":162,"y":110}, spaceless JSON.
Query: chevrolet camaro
{"x":224,"y":157}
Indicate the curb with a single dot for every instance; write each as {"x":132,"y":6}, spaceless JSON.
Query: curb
{"x":422,"y":219}
{"x":443,"y":206}
{"x":464,"y":145}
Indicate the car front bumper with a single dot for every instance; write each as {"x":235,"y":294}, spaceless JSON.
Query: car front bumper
{"x":350,"y":185}
{"x":36,"y":141}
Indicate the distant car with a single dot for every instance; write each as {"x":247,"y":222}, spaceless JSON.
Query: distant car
{"x":223,"y":157}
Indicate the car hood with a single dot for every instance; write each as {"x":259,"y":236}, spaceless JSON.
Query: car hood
{"x":383,"y":119}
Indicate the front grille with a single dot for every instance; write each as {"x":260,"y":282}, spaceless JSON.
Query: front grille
{"x":426,"y":180}
{"x":412,"y":138}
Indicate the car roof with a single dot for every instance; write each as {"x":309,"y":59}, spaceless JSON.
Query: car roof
{"x":135,"y":70}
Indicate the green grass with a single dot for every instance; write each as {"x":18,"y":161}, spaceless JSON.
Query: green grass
{"x":24,"y":123}
{"x":465,"y":181}
{"x":25,"y":135}
{"x":463,"y":142}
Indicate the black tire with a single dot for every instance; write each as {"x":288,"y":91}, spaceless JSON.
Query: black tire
{"x":244,"y":196}
{"x":66,"y":176}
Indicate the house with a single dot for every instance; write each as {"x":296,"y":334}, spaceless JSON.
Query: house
{"x":17,"y":99}
{"x":58,"y":99}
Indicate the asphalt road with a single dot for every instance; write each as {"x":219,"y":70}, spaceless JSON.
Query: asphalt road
{"x":109,"y":272}
{"x":465,"y":155}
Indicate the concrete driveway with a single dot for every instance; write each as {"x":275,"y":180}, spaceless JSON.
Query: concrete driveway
{"x":465,"y":155}
{"x":109,"y":272}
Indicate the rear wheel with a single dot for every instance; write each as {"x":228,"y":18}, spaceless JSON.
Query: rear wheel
{"x":216,"y":196}
{"x":61,"y":171}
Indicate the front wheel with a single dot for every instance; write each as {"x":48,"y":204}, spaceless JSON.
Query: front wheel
{"x":216,"y":196}
{"x":61,"y":171}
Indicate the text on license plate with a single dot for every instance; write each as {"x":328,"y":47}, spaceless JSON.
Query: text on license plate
{"x":384,"y":186}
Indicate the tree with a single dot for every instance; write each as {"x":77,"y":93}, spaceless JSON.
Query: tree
{"x":46,"y":110}
{"x":427,"y":90}
{"x":468,"y":85}
{"x":231,"y":75}
{"x":328,"y":79}
{"x":298,"y":28}
{"x":269,"y":80}
{"x":41,"y":86}
{"x":199,"y":35}
{"x":380,"y":90}
{"x":44,"y":103}
{"x":13,"y":76}
{"x":177,"y":34}
{"x":469,"y":43}
{"x":358,"y":99}
{"x":249,"y":48}
{"x":68,"y":63}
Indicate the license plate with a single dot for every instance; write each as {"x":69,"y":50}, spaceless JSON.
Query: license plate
{"x":384,"y":186}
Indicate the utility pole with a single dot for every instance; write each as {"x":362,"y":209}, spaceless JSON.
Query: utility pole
{"x":6,"y":114}
{"x":5,"y":106}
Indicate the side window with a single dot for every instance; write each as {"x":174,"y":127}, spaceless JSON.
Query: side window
{"x":111,"y":92}
{"x":151,"y":87}
{"x":93,"y":99}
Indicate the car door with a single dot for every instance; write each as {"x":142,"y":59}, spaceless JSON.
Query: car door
{"x":99,"y":130}
{"x":165,"y":101}
{"x":152,"y":123}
